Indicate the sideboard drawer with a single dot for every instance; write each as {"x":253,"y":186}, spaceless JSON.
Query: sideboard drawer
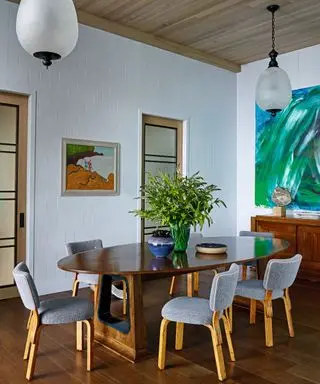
{"x":264,"y":226}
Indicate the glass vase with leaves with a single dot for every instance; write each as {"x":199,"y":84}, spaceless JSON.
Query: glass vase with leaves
{"x":178,"y":202}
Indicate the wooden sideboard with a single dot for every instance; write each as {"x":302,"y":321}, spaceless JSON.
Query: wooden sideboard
{"x":304,"y":238}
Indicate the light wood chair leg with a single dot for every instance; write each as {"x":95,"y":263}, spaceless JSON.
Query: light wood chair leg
{"x":124,"y":287}
{"x":228,"y":336}
{"x":29,"y":338}
{"x":75,"y":287}
{"x":230,"y":317}
{"x":253,"y":310}
{"x":244,"y":272}
{"x":29,"y":320}
{"x":79,"y":336}
{"x":34,"y":347}
{"x":179,"y":336}
{"x":190,"y":284}
{"x":287,"y":305}
{"x":172,"y":286}
{"x":217,"y":347}
{"x":27,"y":345}
{"x":163,"y":344}
{"x":267,"y":305}
{"x":90,"y":336}
{"x":196,"y":281}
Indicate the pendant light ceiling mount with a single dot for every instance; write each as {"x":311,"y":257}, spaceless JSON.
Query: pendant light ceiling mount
{"x":273,"y":8}
{"x":273,"y":91}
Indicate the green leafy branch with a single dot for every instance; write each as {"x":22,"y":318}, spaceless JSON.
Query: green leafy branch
{"x":178,"y":200}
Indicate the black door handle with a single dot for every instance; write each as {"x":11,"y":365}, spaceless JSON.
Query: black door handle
{"x":21,"y":217}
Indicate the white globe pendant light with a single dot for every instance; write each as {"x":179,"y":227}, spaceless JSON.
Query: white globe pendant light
{"x":47,"y":29}
{"x":273,"y":91}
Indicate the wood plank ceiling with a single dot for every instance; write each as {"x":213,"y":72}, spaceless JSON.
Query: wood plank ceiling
{"x":226,"y":33}
{"x":234,"y":30}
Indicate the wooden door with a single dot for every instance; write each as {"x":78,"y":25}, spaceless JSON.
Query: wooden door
{"x":161,"y":151}
{"x":13,"y":168}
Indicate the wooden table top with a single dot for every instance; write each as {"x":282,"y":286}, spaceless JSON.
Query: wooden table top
{"x":137,"y":259}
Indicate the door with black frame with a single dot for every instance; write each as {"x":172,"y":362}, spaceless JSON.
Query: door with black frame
{"x":13,"y":169}
{"x":161,"y":151}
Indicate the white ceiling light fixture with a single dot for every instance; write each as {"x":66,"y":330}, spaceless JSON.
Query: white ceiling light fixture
{"x":47,"y":29}
{"x":273,"y":91}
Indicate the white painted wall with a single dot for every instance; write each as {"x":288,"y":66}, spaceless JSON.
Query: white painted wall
{"x":98,"y":93}
{"x":303,"y":69}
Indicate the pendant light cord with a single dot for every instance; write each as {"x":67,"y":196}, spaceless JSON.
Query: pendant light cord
{"x":273,"y":31}
{"x":273,"y":53}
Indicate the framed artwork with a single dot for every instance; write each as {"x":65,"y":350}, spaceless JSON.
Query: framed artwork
{"x":90,"y":168}
{"x":288,"y":151}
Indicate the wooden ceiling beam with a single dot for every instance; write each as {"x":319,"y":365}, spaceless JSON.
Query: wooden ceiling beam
{"x":155,"y":41}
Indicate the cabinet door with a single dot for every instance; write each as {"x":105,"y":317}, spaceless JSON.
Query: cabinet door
{"x":308,"y":244}
{"x":280,"y":231}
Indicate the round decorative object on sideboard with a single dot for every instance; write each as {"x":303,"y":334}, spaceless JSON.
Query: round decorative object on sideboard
{"x":161,"y":243}
{"x":281,"y":197}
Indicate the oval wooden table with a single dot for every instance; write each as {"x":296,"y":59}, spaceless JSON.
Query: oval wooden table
{"x":131,"y":262}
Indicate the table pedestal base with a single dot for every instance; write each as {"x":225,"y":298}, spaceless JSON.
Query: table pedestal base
{"x":124,"y":336}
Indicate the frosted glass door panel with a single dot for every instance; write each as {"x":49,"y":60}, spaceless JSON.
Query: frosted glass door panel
{"x":7,"y":242}
{"x":160,"y":141}
{"x":7,"y":215}
{"x":155,"y":168}
{"x":7,"y":171}
{"x":6,"y":266}
{"x":8,"y":124}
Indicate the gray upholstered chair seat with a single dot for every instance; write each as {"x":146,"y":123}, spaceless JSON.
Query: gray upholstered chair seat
{"x":253,"y":289}
{"x":64,"y":311}
{"x":191,"y":310}
{"x":88,"y":278}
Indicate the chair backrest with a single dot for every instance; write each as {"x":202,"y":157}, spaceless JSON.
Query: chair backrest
{"x":223,"y":289}
{"x":281,"y":273}
{"x":256,"y":234}
{"x":26,"y":287}
{"x":83,"y":246}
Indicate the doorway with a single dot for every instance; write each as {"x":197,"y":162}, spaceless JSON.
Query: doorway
{"x":13,"y":180}
{"x":162,"y":147}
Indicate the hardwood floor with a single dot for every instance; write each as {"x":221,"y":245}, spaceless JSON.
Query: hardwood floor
{"x":290,"y":361}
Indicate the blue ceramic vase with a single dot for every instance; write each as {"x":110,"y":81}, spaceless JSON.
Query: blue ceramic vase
{"x":161,"y":243}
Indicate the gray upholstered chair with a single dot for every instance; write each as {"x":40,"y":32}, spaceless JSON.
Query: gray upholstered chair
{"x":92,"y":280}
{"x":266,"y":235}
{"x":280,"y":274}
{"x":195,"y":238}
{"x":51,"y":312}
{"x":198,"y":311}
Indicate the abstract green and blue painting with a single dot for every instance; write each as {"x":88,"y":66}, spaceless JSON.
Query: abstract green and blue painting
{"x":288,"y":151}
